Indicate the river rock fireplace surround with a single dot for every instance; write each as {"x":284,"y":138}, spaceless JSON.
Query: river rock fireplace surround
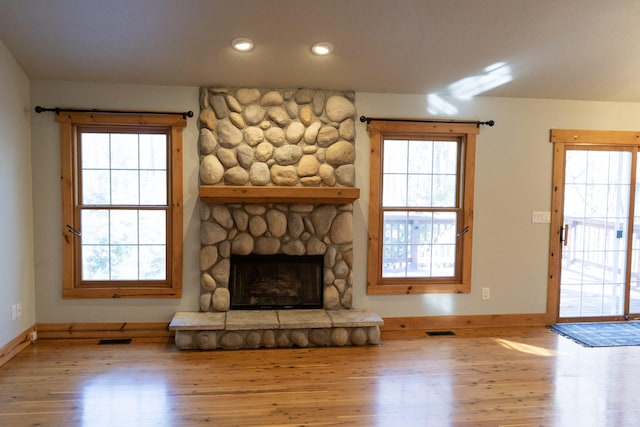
{"x":276,"y":179}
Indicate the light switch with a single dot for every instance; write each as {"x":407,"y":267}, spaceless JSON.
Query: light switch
{"x":540,"y":217}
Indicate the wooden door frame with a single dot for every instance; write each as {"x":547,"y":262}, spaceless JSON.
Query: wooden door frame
{"x":561,"y":138}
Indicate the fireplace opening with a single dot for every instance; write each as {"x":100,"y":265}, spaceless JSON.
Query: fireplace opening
{"x":276,"y":281}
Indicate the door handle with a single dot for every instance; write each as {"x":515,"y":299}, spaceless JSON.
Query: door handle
{"x":564,"y":234}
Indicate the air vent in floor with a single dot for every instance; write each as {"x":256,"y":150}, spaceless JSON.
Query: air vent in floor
{"x":115,"y":341}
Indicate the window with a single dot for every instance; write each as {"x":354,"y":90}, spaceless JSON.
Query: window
{"x":420,"y":207}
{"x":121,"y":205}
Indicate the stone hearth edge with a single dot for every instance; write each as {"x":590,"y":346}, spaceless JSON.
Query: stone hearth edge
{"x":238,"y":329}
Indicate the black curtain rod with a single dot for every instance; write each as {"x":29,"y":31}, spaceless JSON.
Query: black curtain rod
{"x":477,"y":123}
{"x":58,"y":110}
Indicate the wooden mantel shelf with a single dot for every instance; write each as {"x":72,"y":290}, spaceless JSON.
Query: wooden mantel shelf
{"x":278,"y":194}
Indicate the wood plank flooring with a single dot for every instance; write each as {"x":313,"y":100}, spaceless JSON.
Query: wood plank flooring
{"x":484,"y":377}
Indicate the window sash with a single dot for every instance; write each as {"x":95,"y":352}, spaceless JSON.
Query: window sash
{"x":114,"y":258}
{"x":114,"y":243}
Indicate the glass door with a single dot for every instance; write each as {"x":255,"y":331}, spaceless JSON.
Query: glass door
{"x":600,"y":267}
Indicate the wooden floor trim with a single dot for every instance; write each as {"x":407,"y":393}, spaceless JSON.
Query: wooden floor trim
{"x":115,"y":330}
{"x":458,"y":322}
{"x":16,"y":345}
{"x":160,"y":330}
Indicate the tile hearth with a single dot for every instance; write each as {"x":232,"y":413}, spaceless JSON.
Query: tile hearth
{"x":275,"y":328}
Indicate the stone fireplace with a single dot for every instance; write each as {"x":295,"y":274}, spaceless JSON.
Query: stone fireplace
{"x":277,"y":178}
{"x":272,"y":139}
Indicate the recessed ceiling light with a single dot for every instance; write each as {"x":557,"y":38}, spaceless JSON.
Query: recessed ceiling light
{"x":242,"y":44}
{"x":322,"y":48}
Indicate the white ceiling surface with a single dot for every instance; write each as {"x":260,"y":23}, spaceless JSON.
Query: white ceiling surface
{"x":562,"y":49}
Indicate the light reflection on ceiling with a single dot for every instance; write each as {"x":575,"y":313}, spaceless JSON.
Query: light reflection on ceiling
{"x":494,"y":75}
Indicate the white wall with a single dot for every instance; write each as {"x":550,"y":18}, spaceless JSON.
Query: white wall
{"x":513,"y":178}
{"x":16,"y":220}
{"x":51,"y":307}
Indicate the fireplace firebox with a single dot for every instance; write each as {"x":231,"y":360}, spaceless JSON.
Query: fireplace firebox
{"x":276,"y":282}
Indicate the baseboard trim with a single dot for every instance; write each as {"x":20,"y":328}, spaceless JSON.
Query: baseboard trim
{"x":16,"y":345}
{"x":459,"y":322}
{"x":134,"y":330}
{"x":160,"y":330}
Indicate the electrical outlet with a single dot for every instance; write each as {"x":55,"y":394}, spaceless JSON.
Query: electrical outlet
{"x":486,"y":293}
{"x":14,"y":312}
{"x":18,"y":309}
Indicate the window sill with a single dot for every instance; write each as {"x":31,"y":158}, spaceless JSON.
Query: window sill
{"x":435,"y":288}
{"x":121,"y":293}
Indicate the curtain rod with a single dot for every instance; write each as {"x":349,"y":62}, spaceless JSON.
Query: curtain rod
{"x":58,"y":110}
{"x":477,"y":123}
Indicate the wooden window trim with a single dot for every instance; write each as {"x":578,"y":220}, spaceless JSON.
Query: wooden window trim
{"x":68,"y":123}
{"x":377,"y":131}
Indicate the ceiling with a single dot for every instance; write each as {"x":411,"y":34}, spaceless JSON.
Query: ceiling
{"x":561,"y":49}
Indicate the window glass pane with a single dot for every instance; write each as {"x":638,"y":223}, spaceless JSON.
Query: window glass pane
{"x":421,"y":224}
{"x":95,"y":227}
{"x":395,"y":227}
{"x":153,"y":262}
{"x":95,"y":262}
{"x":445,"y":157}
{"x":124,"y":227}
{"x":443,"y":248}
{"x":96,"y":188}
{"x":124,"y":262}
{"x":420,"y":157}
{"x":124,"y":187}
{"x":419,"y":193}
{"x":419,"y":244}
{"x":394,"y":191}
{"x":152,"y":225}
{"x":430,"y":171}
{"x":95,"y":150}
{"x":394,"y":261}
{"x":153,"y":187}
{"x":597,"y":167}
{"x":443,"y":260}
{"x":420,"y":261}
{"x":394,"y":156}
{"x":153,"y":151}
{"x":444,"y":228}
{"x":576,"y":167}
{"x":124,"y":151}
{"x":444,"y":191}
{"x":574,"y":200}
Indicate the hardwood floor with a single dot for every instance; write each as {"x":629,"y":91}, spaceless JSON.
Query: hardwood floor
{"x":483,"y":377}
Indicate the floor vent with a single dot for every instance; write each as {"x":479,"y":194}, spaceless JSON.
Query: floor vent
{"x":115,"y":341}
{"x":440,"y":333}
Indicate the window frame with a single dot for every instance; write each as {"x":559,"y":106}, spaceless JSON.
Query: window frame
{"x":71,"y":261}
{"x":466,"y":133}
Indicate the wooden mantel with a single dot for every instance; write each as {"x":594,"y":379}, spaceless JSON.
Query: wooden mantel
{"x":278,"y":194}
